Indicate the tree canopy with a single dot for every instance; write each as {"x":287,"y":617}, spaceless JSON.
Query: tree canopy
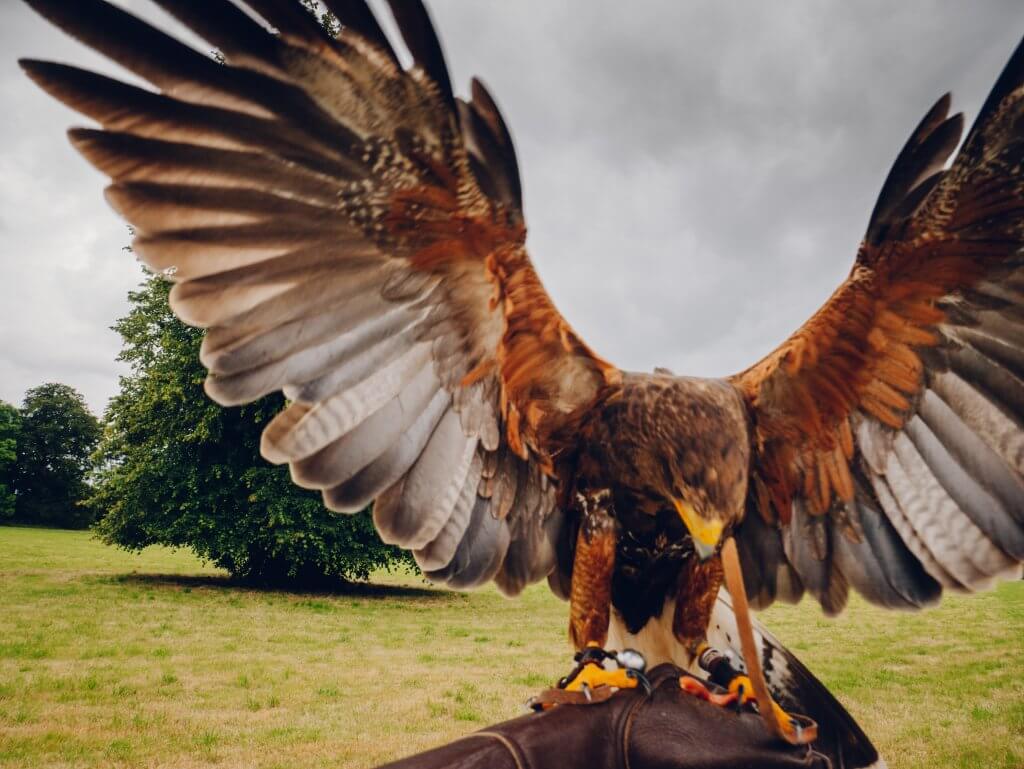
{"x":54,"y":435}
{"x":10,"y":426}
{"x":177,"y":469}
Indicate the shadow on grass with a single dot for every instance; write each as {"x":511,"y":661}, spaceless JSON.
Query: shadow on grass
{"x":336,"y":588}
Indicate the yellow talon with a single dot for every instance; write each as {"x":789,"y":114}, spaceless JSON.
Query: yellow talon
{"x":593,"y":676}
{"x":743,"y":688}
{"x":785,"y":721}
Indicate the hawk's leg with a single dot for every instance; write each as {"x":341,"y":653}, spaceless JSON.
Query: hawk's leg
{"x":699,"y":583}
{"x":590,"y":597}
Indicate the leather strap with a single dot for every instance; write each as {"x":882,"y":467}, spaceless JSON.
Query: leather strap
{"x":765,"y":703}
{"x":556,"y":696}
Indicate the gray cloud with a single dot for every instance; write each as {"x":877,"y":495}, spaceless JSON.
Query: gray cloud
{"x":697,"y":175}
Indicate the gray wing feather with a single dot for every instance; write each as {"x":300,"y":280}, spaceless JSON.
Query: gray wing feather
{"x":262,"y":188}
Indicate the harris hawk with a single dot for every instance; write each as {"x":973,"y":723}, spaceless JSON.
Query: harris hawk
{"x":351,"y":233}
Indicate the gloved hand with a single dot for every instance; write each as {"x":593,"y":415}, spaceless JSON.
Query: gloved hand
{"x":669,"y":729}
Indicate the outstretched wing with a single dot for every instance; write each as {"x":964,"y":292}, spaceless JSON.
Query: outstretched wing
{"x":350,"y":233}
{"x":888,"y":431}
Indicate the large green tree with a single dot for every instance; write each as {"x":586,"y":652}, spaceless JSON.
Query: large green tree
{"x":57,"y":434}
{"x":10,"y":425}
{"x":177,"y":469}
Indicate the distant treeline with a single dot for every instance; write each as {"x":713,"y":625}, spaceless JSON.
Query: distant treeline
{"x":45,"y":450}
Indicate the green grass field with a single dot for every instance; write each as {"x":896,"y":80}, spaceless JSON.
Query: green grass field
{"x":154,"y":660}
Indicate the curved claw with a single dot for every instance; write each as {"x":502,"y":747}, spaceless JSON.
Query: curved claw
{"x":797,"y":730}
{"x":642,"y":680}
{"x":743,"y":688}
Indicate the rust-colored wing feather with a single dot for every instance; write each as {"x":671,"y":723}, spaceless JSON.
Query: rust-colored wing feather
{"x":888,"y":431}
{"x":352,"y":234}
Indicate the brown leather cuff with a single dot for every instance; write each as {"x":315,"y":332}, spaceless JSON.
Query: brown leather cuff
{"x":669,"y":729}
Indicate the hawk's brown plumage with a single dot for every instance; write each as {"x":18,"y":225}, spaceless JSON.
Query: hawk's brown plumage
{"x":350,"y":232}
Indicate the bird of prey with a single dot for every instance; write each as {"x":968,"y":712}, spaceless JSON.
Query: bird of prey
{"x":351,"y":233}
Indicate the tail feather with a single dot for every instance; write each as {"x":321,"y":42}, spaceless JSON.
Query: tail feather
{"x":796,"y":689}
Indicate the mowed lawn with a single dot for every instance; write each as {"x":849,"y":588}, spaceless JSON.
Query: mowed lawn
{"x":155,"y":660}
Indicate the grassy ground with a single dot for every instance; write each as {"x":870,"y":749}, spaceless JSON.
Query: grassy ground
{"x":153,"y":660}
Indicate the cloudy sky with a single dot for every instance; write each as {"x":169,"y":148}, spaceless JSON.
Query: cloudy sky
{"x":697,"y":175}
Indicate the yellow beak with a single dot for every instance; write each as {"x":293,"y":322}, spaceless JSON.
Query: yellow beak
{"x":705,"y":534}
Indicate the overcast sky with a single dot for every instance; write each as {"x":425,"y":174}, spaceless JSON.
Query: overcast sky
{"x":697,"y":175}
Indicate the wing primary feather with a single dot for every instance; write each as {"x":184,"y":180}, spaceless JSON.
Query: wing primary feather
{"x":339,"y":461}
{"x":420,"y":38}
{"x":998,"y":383}
{"x":485,"y":105}
{"x":358,"y":364}
{"x":347,"y":295}
{"x":224,"y":25}
{"x":126,"y":157}
{"x":357,"y":16}
{"x":479,"y":554}
{"x":291,"y":19}
{"x":439,"y":552}
{"x":329,"y":419}
{"x":965,"y":540}
{"x":1008,"y":356}
{"x":907,"y":168}
{"x":977,"y":458}
{"x":123,"y":108}
{"x":154,"y":207}
{"x":482,"y":143}
{"x":1010,"y":79}
{"x":327,"y":338}
{"x":998,"y":429}
{"x":121,"y":36}
{"x":1003,"y":326}
{"x":183,"y":72}
{"x":384,"y":472}
{"x":431,"y":488}
{"x":881,"y":567}
{"x":973,"y":499}
{"x":806,"y":542}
